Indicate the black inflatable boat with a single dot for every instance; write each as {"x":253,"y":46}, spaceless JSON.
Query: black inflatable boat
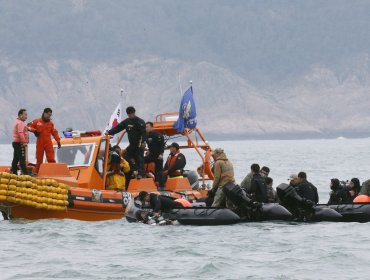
{"x":293,"y":208}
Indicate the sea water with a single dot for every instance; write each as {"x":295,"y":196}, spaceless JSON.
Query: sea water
{"x":69,"y":249}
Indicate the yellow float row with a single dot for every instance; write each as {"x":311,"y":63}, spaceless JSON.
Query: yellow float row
{"x":45,"y":194}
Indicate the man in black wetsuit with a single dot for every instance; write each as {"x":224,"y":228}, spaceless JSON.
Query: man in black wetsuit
{"x":305,"y":189}
{"x":158,"y":203}
{"x":258,"y":185}
{"x":156,"y":148}
{"x":135,"y":128}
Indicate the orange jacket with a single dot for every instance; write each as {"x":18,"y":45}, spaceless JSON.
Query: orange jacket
{"x":45,"y":129}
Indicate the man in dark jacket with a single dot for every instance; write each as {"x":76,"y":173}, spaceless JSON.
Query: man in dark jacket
{"x":135,"y":128}
{"x":258,"y":185}
{"x":305,"y":189}
{"x":156,"y":148}
{"x":159,"y":203}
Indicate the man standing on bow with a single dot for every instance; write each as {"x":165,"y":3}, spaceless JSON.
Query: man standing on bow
{"x":20,"y":141}
{"x":135,"y":128}
{"x":43,"y":128}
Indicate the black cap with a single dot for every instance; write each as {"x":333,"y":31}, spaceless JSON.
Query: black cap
{"x":142,"y":195}
{"x":130,"y":110}
{"x":175,"y":145}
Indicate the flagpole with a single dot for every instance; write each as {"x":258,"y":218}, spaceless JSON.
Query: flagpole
{"x":123,"y":101}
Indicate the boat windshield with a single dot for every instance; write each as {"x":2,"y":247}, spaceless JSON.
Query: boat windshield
{"x":75,"y":155}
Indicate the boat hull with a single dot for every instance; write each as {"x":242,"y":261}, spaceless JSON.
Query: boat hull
{"x":25,"y":212}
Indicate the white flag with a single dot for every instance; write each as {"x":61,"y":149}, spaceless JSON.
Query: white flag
{"x":114,"y":120}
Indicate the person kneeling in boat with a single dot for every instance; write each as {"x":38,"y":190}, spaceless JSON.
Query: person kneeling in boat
{"x":223,"y":175}
{"x":160,"y":203}
{"x":175,"y":164}
{"x":116,"y":179}
{"x":339,"y":194}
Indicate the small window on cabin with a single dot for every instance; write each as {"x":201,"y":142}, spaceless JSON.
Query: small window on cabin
{"x":75,"y":154}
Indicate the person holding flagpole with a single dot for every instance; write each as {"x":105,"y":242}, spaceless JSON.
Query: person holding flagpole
{"x":135,"y":128}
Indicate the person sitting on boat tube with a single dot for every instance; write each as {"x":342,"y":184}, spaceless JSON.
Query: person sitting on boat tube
{"x":43,"y":128}
{"x":175,"y":164}
{"x":117,"y":167}
{"x":160,"y":203}
{"x":223,"y":175}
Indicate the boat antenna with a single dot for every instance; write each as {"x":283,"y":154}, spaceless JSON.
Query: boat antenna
{"x":123,"y":96}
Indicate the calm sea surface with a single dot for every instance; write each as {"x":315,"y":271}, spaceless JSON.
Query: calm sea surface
{"x":69,"y":249}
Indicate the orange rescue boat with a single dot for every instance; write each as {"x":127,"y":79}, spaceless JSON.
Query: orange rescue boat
{"x":74,"y":187}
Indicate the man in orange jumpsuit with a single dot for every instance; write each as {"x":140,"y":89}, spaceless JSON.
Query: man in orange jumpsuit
{"x":43,"y":128}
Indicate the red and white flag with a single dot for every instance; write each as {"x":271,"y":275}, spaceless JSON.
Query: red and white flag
{"x":114,"y":120}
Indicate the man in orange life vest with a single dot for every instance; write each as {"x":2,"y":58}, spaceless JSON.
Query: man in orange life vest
{"x":175,"y":163}
{"x":43,"y":128}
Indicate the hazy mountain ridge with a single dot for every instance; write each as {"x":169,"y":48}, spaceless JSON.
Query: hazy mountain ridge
{"x":83,"y":96}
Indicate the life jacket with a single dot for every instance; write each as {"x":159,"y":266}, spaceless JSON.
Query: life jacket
{"x":171,"y":161}
{"x":183,"y":202}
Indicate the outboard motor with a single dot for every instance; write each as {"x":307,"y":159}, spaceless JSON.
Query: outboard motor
{"x":245,"y":207}
{"x":133,"y":210}
{"x":236,"y":194}
{"x":288,"y":195}
{"x":300,"y":207}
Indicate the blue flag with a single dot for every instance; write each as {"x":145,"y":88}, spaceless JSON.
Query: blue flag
{"x":187,"y":113}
